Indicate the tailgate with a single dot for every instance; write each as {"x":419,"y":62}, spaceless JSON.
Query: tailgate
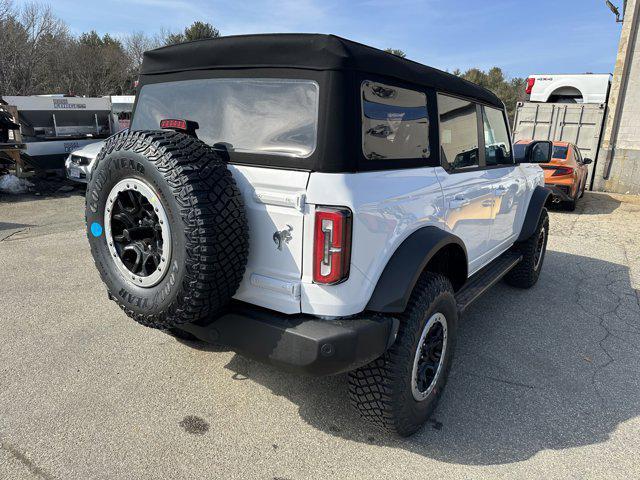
{"x":274,"y":202}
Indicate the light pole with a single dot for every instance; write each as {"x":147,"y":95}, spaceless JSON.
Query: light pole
{"x":615,"y":10}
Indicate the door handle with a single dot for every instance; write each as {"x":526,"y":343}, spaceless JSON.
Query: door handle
{"x":458,"y":202}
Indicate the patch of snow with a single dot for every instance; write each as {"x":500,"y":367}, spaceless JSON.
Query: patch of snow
{"x":13,"y":184}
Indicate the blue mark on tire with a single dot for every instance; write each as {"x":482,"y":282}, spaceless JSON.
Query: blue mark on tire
{"x":96,"y":229}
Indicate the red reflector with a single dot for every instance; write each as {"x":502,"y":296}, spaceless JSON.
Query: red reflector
{"x":332,"y":245}
{"x":171,"y":124}
{"x":530,"y":83}
{"x":562,"y":171}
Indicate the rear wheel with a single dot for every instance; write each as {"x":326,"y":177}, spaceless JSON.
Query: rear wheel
{"x":166,"y":226}
{"x":570,"y":205}
{"x":400,"y":390}
{"x":563,"y":99}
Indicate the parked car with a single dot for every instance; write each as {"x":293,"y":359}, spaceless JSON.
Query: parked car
{"x":576,"y":88}
{"x":79,"y":163}
{"x":566,"y":174}
{"x":256,"y":202}
{"x":562,"y":122}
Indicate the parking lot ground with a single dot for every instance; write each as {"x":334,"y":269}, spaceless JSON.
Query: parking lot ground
{"x":546,"y":382}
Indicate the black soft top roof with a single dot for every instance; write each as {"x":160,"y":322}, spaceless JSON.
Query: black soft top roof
{"x":305,"y":51}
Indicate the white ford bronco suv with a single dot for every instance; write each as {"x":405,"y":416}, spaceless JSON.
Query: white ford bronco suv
{"x":319,"y":205}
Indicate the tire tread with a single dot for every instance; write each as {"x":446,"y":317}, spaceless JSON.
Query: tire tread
{"x":524,"y":275}
{"x":376,"y":390}
{"x":212,"y":210}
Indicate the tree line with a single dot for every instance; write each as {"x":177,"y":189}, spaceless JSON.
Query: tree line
{"x":38,"y":55}
{"x":510,"y":91}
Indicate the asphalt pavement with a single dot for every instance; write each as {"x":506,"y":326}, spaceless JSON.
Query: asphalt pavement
{"x":545,"y":384}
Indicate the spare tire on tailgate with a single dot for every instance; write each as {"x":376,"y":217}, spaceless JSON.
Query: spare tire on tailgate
{"x":167,"y":227}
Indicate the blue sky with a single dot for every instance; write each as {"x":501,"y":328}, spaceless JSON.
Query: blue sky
{"x":521,"y":36}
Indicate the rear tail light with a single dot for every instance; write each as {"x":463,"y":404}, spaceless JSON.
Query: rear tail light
{"x":332,"y":245}
{"x":562,"y":171}
{"x":530,"y":83}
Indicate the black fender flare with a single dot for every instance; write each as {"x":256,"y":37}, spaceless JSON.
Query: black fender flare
{"x":403,"y":269}
{"x":536,"y":205}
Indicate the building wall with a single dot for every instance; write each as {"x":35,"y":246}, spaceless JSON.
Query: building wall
{"x":618,"y":168}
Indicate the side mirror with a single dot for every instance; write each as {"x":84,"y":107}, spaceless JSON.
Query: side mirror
{"x":539,"y":151}
{"x":587,"y":161}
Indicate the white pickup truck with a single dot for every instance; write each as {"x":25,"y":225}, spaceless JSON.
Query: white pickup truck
{"x":577,"y":88}
{"x":319,"y":205}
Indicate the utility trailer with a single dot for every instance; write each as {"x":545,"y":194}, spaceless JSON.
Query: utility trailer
{"x":577,"y":123}
{"x":53,"y":126}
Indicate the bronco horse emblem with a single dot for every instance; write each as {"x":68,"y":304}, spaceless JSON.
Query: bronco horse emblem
{"x":283,"y":236}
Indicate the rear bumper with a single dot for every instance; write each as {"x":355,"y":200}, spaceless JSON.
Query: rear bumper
{"x":560,"y":193}
{"x":302,"y":344}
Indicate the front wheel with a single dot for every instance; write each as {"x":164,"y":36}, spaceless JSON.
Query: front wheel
{"x":400,"y":390}
{"x":525,"y":274}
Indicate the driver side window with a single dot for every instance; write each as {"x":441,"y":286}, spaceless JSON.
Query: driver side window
{"x":458,"y":132}
{"x":497,"y":147}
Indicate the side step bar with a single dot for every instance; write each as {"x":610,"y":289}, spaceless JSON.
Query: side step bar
{"x":484,"y":279}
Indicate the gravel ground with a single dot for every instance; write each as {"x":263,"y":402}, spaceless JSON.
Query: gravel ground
{"x":546,"y":382}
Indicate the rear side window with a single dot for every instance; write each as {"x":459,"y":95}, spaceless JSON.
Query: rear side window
{"x":497,"y":148}
{"x":395,"y":122}
{"x":458,"y":132}
{"x":560,"y":152}
{"x":267,"y":116}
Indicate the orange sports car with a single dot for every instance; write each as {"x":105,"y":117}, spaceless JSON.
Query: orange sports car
{"x":566,"y":174}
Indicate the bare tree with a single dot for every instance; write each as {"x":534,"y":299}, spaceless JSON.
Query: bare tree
{"x":6,"y":7}
{"x":39,"y":55}
{"x":12,"y":37}
{"x":28,"y":37}
{"x":43,"y":32}
{"x":136,"y":44}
